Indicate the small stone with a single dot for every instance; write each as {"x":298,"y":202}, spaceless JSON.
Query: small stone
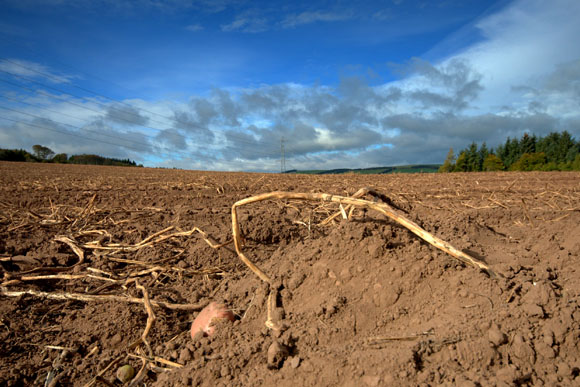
{"x":277,"y":353}
{"x":495,"y":336}
{"x":125,"y":373}
{"x":295,"y":362}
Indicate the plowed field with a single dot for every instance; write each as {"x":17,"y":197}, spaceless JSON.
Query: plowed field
{"x":107,"y":266}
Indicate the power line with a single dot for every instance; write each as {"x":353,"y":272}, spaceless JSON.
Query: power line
{"x":103,"y":96}
{"x":42,"y":108}
{"x":237,"y":138}
{"x":75,"y":127}
{"x":69,"y":133}
{"x":104,"y":106}
{"x":37,"y":52}
{"x":147,"y":145}
{"x":231,"y":135}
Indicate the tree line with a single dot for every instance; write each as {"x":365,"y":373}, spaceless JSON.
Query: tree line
{"x":46,"y":155}
{"x":554,"y":152}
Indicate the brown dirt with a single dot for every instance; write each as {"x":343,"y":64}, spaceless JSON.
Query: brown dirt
{"x":363,"y":302}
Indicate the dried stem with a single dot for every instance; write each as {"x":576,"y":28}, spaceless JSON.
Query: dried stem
{"x":74,"y":246}
{"x":98,"y":298}
{"x":158,"y":359}
{"x":156,"y":238}
{"x":383,"y":208}
{"x":150,"y":316}
{"x":17,"y":280}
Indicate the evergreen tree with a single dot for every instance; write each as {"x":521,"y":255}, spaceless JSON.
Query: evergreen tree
{"x":528,"y":143}
{"x":14,"y":155}
{"x":500,"y":151}
{"x":556,"y":151}
{"x":565,"y":144}
{"x":472,"y":158}
{"x":555,"y":146}
{"x":482,"y":155}
{"x":513,"y":152}
{"x":573,"y":152}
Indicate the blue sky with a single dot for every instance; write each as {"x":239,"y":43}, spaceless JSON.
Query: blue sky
{"x":217,"y":84}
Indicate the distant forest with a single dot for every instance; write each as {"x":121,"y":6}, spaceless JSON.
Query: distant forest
{"x":42,"y":154}
{"x":555,"y":152}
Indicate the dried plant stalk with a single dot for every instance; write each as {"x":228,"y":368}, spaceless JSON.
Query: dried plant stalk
{"x":18,"y":280}
{"x":98,"y":297}
{"x":86,"y":211}
{"x":150,"y":316}
{"x":73,"y":245}
{"x":156,"y":238}
{"x":383,"y":208}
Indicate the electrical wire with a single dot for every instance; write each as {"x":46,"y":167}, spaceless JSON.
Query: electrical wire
{"x":70,"y":134}
{"x":230,"y":135}
{"x":137,"y":115}
{"x":148,"y":146}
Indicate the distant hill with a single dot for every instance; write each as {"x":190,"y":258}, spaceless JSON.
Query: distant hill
{"x":419,"y":168}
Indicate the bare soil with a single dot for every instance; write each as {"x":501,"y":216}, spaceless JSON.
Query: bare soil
{"x":360,"y":301}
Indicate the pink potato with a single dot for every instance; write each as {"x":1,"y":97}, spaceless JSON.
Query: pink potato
{"x":208,"y":315}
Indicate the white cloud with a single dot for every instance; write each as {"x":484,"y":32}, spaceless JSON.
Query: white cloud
{"x":250,"y":21}
{"x":194,"y":27}
{"x":523,"y":42}
{"x":24,"y":68}
{"x":308,"y":17}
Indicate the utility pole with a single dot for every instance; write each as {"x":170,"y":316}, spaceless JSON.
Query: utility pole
{"x":282,"y":156}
